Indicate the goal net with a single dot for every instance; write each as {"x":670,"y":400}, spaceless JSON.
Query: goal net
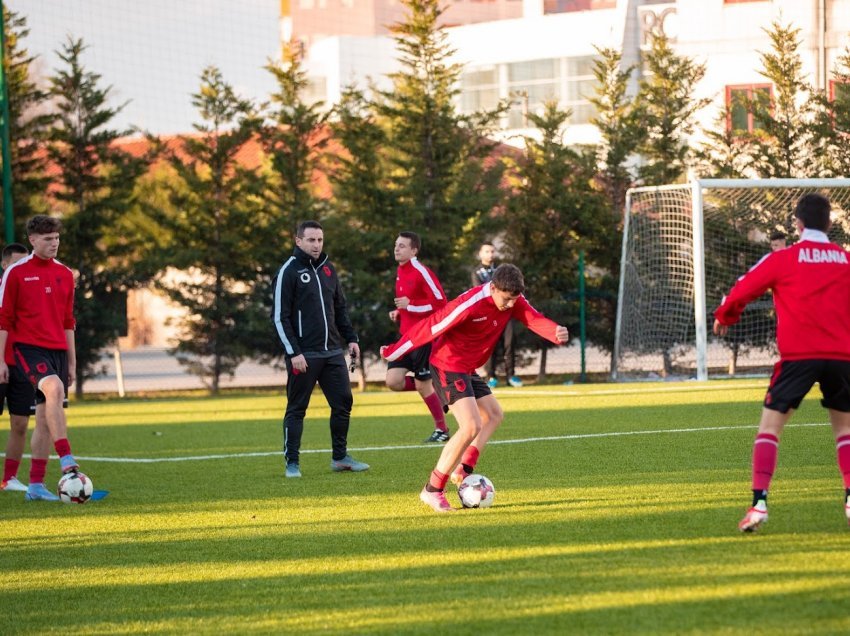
{"x":684,"y":246}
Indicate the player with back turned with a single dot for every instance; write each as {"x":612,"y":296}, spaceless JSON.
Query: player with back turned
{"x":811,"y":292}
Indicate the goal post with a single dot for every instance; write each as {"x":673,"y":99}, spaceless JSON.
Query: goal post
{"x":683,"y":248}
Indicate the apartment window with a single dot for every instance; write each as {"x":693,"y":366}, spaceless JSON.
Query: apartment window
{"x":839,"y":90}
{"x":738,"y":99}
{"x":579,"y":86}
{"x":568,"y":6}
{"x":530,"y":85}
{"x":480,"y":89}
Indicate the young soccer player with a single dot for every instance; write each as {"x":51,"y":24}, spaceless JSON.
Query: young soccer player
{"x":418,"y":294}
{"x":811,"y":292}
{"x":37,"y":310}
{"x":18,"y":395}
{"x":464,"y":333}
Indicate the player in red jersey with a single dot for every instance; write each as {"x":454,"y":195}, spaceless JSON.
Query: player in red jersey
{"x":418,"y":294}
{"x":19,"y":396}
{"x":37,"y":309}
{"x":811,"y":292}
{"x":464,"y":333}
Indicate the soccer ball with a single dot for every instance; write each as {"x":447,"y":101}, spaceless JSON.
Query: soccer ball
{"x":476,"y":491}
{"x":75,"y":487}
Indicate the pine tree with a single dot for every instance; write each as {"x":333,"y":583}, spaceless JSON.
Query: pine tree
{"x":441,"y":165}
{"x":553,"y":213}
{"x":29,"y":123}
{"x":831,"y":126}
{"x":725,"y":153}
{"x":782,"y":144}
{"x":619,"y":121}
{"x":95,"y":193}
{"x":666,"y":94}
{"x":359,"y":217}
{"x":293,"y":141}
{"x":216,"y":236}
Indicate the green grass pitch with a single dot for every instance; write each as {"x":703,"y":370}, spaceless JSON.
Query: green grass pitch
{"x":615,"y":513}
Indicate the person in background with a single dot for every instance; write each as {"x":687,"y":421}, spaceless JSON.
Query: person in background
{"x":505,"y":346}
{"x":418,"y":294}
{"x":778,"y":241}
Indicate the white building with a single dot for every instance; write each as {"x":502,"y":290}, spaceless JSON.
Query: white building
{"x":548,"y":54}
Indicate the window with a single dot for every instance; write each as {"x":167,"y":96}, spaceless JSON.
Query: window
{"x":530,"y":85}
{"x":579,"y":86}
{"x":568,"y":6}
{"x":839,"y":90}
{"x":738,"y":99}
{"x":480,"y":89}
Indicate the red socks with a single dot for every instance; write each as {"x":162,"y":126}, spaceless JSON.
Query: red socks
{"x":842,"y":449}
{"x":38,"y":468}
{"x":433,"y":404}
{"x":438,"y":481}
{"x":409,"y":384}
{"x":10,"y":468}
{"x":470,"y":458}
{"x":62,"y":446}
{"x":765,"y":450}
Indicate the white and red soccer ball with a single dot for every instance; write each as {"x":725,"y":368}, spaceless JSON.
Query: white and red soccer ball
{"x":476,"y":491}
{"x":75,"y":487}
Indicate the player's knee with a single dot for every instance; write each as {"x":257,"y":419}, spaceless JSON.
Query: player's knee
{"x":394,"y":384}
{"x":52,"y":388}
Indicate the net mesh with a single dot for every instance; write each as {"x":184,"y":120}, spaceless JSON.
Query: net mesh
{"x":656,"y":332}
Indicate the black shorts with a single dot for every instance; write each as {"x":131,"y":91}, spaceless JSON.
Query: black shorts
{"x":18,"y":394}
{"x":451,"y":386}
{"x":793,"y":379}
{"x":38,"y":363}
{"x":416,"y":361}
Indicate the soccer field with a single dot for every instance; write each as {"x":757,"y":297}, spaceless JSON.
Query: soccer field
{"x":615,"y":512}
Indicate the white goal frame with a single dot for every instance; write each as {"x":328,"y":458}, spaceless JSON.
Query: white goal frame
{"x":698,"y":251}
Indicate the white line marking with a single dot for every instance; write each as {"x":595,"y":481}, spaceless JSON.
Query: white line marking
{"x":666,"y":389}
{"x":525,"y":440}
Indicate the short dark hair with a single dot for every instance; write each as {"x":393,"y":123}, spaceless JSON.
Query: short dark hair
{"x":778,"y":236}
{"x":508,"y":278}
{"x":306,"y":225}
{"x":415,"y":241}
{"x":813,"y":210}
{"x":486,"y":244}
{"x":13,"y":248}
{"x":43,"y":224}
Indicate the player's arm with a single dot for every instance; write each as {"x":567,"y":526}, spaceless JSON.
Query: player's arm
{"x":8,"y":295}
{"x":428,"y":330}
{"x":538,"y":323}
{"x":750,"y":286}
{"x":69,"y":324}
{"x":283,"y":298}
{"x":4,"y":369}
{"x":429,"y":295}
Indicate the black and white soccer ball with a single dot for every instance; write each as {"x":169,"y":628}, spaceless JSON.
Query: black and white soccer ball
{"x":476,"y":491}
{"x":75,"y":487}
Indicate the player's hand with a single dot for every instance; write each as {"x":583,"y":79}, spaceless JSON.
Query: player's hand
{"x":394,"y":315}
{"x":72,"y":374}
{"x":562,"y":334}
{"x":720,"y":330}
{"x":402,"y":302}
{"x":299,"y":363}
{"x":384,"y":348}
{"x":4,"y":372}
{"x":353,"y":349}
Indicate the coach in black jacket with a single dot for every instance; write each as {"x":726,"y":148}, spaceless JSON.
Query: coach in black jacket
{"x":311,"y":320}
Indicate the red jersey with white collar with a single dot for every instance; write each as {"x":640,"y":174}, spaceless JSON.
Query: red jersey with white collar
{"x":37,"y":302}
{"x":422,"y":287}
{"x":811,"y":293}
{"x":467,"y":329}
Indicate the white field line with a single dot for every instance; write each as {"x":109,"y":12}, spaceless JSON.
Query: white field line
{"x":662,"y":389}
{"x":526,"y":440}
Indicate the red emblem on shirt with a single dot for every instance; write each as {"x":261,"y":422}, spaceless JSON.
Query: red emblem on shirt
{"x":41,"y":367}
{"x":460,"y":385}
{"x":327,"y":271}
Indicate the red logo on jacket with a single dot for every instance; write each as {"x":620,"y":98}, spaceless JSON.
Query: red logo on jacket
{"x":460,"y":385}
{"x":327,"y":271}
